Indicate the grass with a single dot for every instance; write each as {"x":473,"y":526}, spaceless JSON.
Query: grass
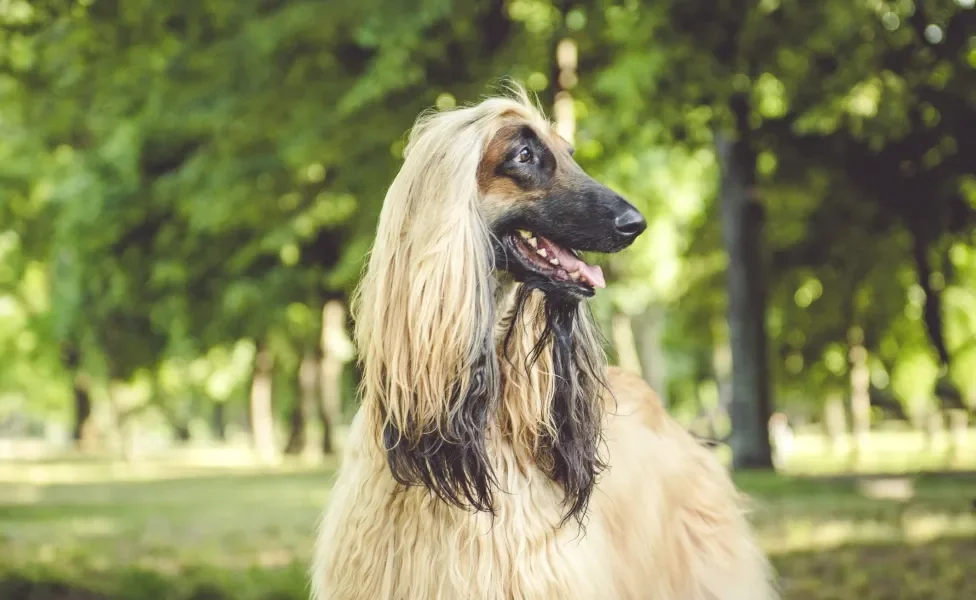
{"x":93,"y":530}
{"x":887,"y":450}
{"x":206,"y":533}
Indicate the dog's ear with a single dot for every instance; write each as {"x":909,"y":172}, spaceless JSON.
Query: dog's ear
{"x":556,"y":340}
{"x":577,"y":404}
{"x":424,"y":318}
{"x":451,"y":460}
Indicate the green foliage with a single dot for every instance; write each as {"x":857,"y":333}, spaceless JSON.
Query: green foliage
{"x":853,"y":110}
{"x":179,"y":180}
{"x":202,"y":173}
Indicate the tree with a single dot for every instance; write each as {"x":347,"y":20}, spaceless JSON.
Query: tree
{"x":768,"y":73}
{"x":218,"y":166}
{"x":742,"y":228}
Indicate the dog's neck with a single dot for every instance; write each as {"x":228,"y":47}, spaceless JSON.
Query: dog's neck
{"x":526,"y":391}
{"x":551,"y":368}
{"x":505,"y":290}
{"x":538,"y":392}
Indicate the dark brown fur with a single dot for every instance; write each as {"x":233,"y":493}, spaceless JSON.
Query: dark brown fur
{"x":505,"y":141}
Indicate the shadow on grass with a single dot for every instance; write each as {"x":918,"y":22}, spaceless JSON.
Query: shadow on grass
{"x":22,"y":588}
{"x":194,"y":583}
{"x":59,"y":499}
{"x":936,"y":570}
{"x":147,"y":586}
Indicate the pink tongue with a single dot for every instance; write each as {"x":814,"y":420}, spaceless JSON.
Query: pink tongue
{"x":592,"y":275}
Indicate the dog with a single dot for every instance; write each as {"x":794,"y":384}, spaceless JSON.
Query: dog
{"x":495,"y":455}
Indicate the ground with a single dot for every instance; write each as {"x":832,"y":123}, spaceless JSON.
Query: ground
{"x":87,"y":530}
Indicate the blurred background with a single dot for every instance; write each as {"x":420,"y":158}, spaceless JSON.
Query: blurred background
{"x":188,"y":190}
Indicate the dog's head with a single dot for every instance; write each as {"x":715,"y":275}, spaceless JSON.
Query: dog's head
{"x":543,"y":210}
{"x":484,"y":191}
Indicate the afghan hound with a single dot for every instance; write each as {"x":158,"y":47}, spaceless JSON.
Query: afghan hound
{"x":495,"y":455}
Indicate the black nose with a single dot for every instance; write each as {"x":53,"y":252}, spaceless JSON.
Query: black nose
{"x":630,"y":223}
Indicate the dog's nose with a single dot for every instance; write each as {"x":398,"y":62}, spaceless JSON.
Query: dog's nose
{"x":630,"y":223}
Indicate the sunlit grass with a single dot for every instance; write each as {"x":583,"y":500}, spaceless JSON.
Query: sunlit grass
{"x":883,"y":452}
{"x":245,"y":530}
{"x":160,"y":529}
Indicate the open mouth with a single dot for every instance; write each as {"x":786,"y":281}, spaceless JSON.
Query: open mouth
{"x":555,"y":262}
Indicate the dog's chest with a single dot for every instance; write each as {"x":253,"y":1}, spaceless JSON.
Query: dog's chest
{"x":412,"y":546}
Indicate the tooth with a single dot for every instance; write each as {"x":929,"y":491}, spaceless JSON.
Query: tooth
{"x":533,"y":242}
{"x":525,"y":234}
{"x":575,"y":275}
{"x":554,"y":262}
{"x":541,"y":252}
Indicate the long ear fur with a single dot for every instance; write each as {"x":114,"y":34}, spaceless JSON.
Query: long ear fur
{"x":568,"y":351}
{"x":424,"y":313}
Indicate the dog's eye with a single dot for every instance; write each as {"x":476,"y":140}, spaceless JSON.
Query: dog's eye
{"x":524,"y":155}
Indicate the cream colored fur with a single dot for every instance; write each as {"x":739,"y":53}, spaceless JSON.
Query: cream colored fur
{"x":665,"y":521}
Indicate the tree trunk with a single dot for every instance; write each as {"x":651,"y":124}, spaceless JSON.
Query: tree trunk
{"x":934,"y":429}
{"x":83,"y":431}
{"x":261,"y":412}
{"x":860,"y":392}
{"x":622,"y":331}
{"x":297,"y":424}
{"x":218,"y":421}
{"x":742,"y":218}
{"x":564,"y":110}
{"x":781,"y":434}
{"x":649,"y":333}
{"x":835,"y":422}
{"x":178,"y":416}
{"x":307,"y":397}
{"x":120,"y":402}
{"x":958,"y":430}
{"x":722,"y":365}
{"x":932,"y":310}
{"x":337,"y":350}
{"x":181,"y":431}
{"x":83,"y":428}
